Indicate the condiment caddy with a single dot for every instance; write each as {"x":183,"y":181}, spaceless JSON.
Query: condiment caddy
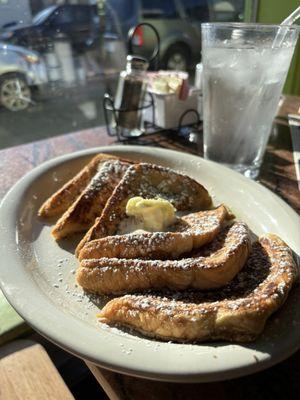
{"x":149,"y":102}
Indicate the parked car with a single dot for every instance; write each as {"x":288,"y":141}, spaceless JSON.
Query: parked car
{"x":80,"y":24}
{"x":21,"y":70}
{"x":178,"y":23}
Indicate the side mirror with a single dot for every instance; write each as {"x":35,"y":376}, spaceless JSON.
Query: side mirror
{"x":9,"y":24}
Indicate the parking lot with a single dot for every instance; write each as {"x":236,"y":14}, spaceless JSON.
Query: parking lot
{"x":56,"y":112}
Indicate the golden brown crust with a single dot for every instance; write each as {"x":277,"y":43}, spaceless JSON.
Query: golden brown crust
{"x":187,"y":233}
{"x":149,"y":181}
{"x":237,"y":313}
{"x":81,"y":215}
{"x":112,"y":275}
{"x":61,"y":200}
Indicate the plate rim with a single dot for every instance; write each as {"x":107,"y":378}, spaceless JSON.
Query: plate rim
{"x":9,"y":203}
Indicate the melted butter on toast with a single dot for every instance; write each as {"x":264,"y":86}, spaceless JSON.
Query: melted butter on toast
{"x":152,"y":215}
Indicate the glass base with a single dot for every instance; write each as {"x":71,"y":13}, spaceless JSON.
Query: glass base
{"x":250,"y":171}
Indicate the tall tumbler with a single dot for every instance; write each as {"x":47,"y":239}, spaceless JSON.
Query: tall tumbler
{"x":244,"y":69}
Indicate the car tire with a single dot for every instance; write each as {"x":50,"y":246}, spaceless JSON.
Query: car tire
{"x":15,"y":94}
{"x":177,"y":57}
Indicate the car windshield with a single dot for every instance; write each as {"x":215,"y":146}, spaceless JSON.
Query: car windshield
{"x":43,"y":15}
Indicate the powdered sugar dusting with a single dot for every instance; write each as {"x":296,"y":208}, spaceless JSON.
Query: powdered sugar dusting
{"x":261,"y":286}
{"x":109,"y":173}
{"x":156,"y":181}
{"x":118,"y":275}
{"x":185,"y":234}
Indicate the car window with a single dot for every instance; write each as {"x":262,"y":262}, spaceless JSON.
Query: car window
{"x":124,"y":9}
{"x":196,"y":9}
{"x":62,"y":15}
{"x":159,"y":9}
{"x":82,"y":15}
{"x":41,"y":16}
{"x":227,"y":10}
{"x":125,"y":14}
{"x":112,"y":23}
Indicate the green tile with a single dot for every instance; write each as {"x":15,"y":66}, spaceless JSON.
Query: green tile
{"x":11,"y":324}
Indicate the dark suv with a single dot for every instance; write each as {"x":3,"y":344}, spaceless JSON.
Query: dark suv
{"x":78,"y":23}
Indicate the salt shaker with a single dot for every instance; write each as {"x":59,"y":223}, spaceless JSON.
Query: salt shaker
{"x":131,"y":92}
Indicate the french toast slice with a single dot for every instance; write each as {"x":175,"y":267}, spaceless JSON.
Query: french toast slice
{"x":187,"y":233}
{"x":115,"y":276}
{"x":81,"y":215}
{"x":236,"y":313}
{"x":62,"y":199}
{"x":149,"y":181}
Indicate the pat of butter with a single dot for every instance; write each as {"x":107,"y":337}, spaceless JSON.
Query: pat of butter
{"x":155,"y":215}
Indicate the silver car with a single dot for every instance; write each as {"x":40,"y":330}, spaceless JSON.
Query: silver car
{"x":20,"y":71}
{"x":178,"y":23}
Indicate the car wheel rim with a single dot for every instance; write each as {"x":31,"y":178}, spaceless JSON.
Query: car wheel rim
{"x":177,"y":62}
{"x":15,"y":94}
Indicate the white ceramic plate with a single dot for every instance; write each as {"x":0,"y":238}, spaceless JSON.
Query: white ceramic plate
{"x":37,"y":276}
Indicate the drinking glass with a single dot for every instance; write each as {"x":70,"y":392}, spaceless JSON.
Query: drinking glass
{"x":244,"y":69}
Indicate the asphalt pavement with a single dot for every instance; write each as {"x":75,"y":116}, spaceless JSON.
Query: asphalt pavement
{"x":55,"y":112}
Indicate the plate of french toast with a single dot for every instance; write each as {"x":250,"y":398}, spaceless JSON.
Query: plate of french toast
{"x":153,"y":263}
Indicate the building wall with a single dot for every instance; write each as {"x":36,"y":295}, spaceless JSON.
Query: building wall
{"x":15,"y":11}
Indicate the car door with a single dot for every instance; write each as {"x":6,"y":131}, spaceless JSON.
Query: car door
{"x":82,"y":25}
{"x":226,"y":11}
{"x":196,"y":12}
{"x":60,"y":22}
{"x":166,"y":18}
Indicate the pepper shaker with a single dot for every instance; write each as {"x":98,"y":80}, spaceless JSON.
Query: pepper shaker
{"x":131,"y":92}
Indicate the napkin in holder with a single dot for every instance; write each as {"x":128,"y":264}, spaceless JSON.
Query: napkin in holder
{"x":172,"y":97}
